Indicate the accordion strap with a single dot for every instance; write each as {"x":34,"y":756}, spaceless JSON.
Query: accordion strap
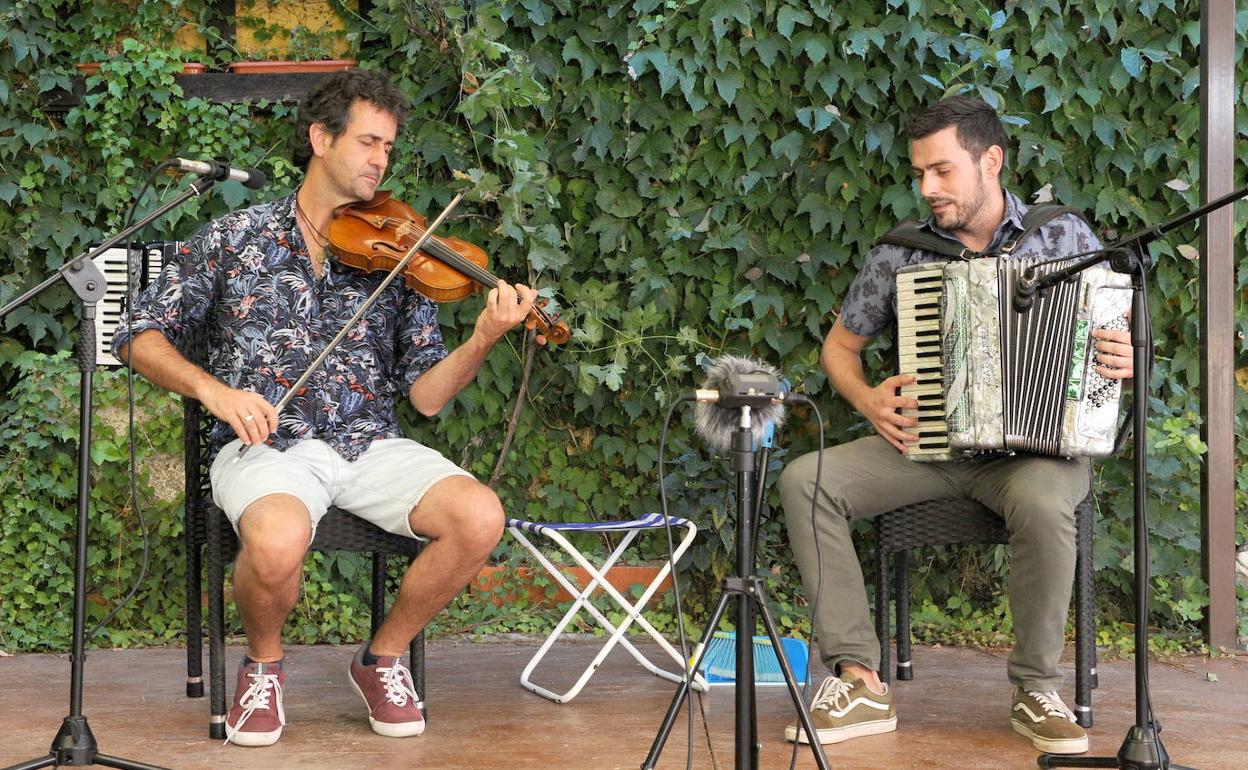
{"x":911,"y":234}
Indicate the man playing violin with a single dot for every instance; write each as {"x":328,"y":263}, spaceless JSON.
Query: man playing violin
{"x":252,"y":299}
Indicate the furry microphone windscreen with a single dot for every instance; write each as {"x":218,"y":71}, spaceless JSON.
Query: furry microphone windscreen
{"x":716,"y":423}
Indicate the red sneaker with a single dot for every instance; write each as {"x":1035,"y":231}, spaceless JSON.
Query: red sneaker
{"x":388,"y":690}
{"x":257,"y":716}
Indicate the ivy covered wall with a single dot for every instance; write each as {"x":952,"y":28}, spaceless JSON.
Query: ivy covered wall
{"x":682,"y":179}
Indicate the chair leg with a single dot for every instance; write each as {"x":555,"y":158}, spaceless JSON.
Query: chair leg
{"x":1085,"y":619}
{"x":216,"y":626}
{"x":194,"y":622}
{"x":378,"y":601}
{"x":883,"y":629}
{"x":901,"y":582}
{"x":416,"y":657}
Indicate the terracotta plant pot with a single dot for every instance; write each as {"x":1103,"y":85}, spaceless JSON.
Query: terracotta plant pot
{"x":286,"y":67}
{"x":92,"y":67}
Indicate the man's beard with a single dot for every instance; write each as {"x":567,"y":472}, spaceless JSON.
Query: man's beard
{"x":958,"y":216}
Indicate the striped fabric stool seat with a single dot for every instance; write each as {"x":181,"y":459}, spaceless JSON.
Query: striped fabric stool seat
{"x":596,"y":584}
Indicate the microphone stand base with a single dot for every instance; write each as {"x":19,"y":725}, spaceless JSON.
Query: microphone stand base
{"x":1141,"y":750}
{"x":74,"y":746}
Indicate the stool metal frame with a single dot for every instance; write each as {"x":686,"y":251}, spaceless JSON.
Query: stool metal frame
{"x":597,"y":579}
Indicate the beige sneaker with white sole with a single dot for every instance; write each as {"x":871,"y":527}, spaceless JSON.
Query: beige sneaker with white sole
{"x":846,"y":708}
{"x":1046,"y":722}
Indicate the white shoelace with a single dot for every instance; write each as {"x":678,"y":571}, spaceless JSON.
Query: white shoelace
{"x":830,"y":693}
{"x":1052,"y":704}
{"x":263,"y":686}
{"x":399,"y":685}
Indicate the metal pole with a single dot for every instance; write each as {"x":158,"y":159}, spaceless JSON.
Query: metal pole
{"x":1217,"y":319}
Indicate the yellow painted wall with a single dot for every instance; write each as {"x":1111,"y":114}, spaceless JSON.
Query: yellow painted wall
{"x":187,"y":38}
{"x":317,"y":16}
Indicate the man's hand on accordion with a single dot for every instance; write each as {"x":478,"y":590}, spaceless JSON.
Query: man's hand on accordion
{"x":882,"y":406}
{"x":1113,"y":354}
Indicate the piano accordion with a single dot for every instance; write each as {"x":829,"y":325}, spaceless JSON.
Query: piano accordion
{"x":144,"y":265}
{"x":990,"y":379}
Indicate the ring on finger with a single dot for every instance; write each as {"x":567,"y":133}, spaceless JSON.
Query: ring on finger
{"x":249,"y":418}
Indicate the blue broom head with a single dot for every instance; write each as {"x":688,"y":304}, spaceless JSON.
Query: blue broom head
{"x":719,"y":665}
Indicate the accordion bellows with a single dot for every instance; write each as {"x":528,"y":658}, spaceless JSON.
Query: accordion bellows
{"x":990,"y":379}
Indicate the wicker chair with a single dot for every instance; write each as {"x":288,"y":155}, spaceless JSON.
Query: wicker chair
{"x":958,"y":521}
{"x":207,"y":528}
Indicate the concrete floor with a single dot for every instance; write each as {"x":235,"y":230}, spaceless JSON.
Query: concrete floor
{"x":953,"y":715}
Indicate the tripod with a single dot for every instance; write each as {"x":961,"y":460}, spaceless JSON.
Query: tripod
{"x":74,"y":743}
{"x":750,"y":594}
{"x":1142,"y":748}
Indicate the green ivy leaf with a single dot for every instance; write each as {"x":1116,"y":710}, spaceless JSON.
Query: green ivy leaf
{"x":821,"y":214}
{"x":789,"y":17}
{"x":789,"y":146}
{"x":1132,"y":61}
{"x":768,"y":47}
{"x":727,"y":85}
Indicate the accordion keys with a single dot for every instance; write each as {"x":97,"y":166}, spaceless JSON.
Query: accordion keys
{"x":145,"y":264}
{"x":919,"y":353}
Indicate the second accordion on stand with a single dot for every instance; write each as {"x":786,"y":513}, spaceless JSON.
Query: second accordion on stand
{"x":992,"y":379}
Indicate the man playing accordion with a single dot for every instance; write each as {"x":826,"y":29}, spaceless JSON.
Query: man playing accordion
{"x":958,"y":154}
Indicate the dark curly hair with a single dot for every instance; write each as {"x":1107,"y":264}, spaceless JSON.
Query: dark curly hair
{"x":979,"y":126}
{"x":329,"y":104}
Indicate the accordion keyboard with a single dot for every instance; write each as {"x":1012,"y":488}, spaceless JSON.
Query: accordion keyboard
{"x":111,"y":309}
{"x":919,"y":354}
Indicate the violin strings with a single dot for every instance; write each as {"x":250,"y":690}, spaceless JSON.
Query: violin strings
{"x":407,"y":227}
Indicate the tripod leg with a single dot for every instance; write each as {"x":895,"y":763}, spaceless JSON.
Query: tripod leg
{"x":1055,"y":760}
{"x":803,"y":715}
{"x":123,"y":764}
{"x":683,"y":690}
{"x":45,"y":761}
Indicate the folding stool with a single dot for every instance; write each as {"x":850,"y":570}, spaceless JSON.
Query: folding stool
{"x":598,"y":580}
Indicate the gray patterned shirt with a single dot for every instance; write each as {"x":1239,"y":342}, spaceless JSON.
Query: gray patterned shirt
{"x":870,"y":306}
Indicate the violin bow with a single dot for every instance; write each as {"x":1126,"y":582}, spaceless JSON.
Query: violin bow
{"x":416,"y":247}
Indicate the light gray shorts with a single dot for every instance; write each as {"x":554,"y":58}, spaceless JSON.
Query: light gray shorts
{"x":382,"y":486}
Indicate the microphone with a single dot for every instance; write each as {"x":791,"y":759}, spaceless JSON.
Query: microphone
{"x":252,"y":178}
{"x":1025,"y":290}
{"x":731,"y":383}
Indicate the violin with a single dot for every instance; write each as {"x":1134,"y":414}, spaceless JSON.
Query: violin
{"x":377,"y":235}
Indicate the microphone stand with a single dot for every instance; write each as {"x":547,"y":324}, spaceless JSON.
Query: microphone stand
{"x":748,"y":589}
{"x":74,"y":744}
{"x":1142,"y":748}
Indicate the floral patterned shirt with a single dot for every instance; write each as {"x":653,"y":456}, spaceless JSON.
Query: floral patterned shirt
{"x":241,"y":299}
{"x":871,"y":303}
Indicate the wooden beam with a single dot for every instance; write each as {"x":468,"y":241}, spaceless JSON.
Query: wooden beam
{"x":214,"y":86}
{"x":1217,"y":319}
{"x":229,"y":87}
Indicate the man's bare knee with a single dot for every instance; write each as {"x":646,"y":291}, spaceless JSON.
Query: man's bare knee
{"x":461,"y":510}
{"x":480,"y":520}
{"x":274,"y":532}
